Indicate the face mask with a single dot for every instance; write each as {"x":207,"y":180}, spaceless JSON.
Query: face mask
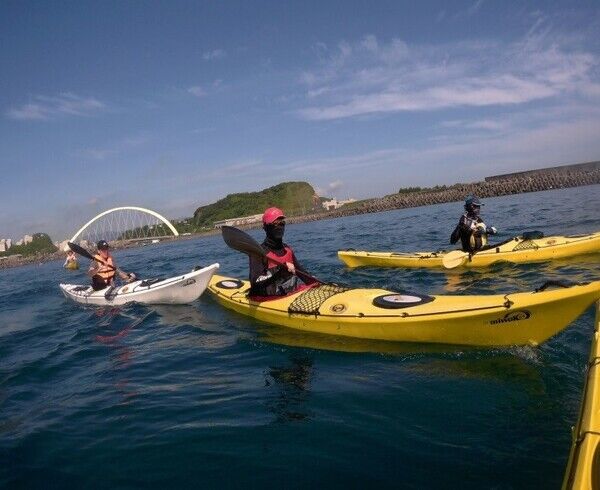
{"x":275,"y":232}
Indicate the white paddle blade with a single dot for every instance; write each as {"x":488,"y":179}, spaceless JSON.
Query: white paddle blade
{"x":454,"y":259}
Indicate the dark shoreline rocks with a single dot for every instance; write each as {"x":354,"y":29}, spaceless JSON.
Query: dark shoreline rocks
{"x":534,"y":182}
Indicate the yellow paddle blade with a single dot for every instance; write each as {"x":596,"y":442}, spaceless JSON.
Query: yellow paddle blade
{"x":454,"y":259}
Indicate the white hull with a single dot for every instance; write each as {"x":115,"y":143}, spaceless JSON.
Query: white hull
{"x":172,"y":291}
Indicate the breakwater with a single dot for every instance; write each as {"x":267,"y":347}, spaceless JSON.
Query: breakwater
{"x":533,"y":182}
{"x":547,"y":179}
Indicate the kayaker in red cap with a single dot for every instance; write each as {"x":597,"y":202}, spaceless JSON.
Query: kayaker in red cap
{"x":267,"y":277}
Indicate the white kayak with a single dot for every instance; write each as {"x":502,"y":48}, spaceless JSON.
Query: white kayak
{"x":172,"y":291}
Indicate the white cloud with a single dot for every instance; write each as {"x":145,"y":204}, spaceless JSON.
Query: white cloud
{"x":474,"y":7}
{"x":197,"y":91}
{"x":51,"y":107}
{"x":369,"y":76}
{"x":113,"y":149}
{"x":215,"y":54}
{"x":335,"y":185}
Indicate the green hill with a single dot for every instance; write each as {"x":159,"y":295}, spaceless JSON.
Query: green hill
{"x":41,"y":243}
{"x":293,"y":197}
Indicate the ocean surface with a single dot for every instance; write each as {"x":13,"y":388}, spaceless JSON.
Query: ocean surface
{"x":196,"y":396}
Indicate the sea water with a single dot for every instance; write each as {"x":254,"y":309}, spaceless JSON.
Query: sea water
{"x":196,"y":396}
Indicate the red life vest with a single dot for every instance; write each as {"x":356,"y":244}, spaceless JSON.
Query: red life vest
{"x":281,"y":259}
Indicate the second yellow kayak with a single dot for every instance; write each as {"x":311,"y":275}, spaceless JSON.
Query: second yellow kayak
{"x":515,"y":250}
{"x":583,"y":470}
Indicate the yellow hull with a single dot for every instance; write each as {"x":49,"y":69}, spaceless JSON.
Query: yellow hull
{"x":494,"y":320}
{"x":516,"y":250}
{"x":583,"y":469}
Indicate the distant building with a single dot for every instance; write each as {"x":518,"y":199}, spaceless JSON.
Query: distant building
{"x":27,"y":239}
{"x":5,"y":244}
{"x":63,"y":245}
{"x":334,"y":204}
{"x":243,"y":220}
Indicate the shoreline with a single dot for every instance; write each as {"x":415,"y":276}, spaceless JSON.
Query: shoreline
{"x":454,"y":193}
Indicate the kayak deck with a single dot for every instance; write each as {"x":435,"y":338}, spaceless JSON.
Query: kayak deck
{"x":492,"y":320}
{"x":515,"y":250}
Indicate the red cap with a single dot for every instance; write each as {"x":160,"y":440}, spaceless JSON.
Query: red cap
{"x":271,"y":215}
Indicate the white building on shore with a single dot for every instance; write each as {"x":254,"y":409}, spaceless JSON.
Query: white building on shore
{"x":25,"y":240}
{"x":334,"y":203}
{"x":243,"y":220}
{"x":5,"y":244}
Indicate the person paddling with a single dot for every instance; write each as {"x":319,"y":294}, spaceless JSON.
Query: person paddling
{"x":71,"y":261}
{"x":267,"y":276}
{"x":103,"y":268}
{"x":471,"y":230}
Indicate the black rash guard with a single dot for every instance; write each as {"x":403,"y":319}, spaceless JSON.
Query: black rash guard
{"x":265,"y":281}
{"x":471,"y":231}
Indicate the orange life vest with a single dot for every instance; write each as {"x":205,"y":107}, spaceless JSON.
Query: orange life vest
{"x":104,"y":272}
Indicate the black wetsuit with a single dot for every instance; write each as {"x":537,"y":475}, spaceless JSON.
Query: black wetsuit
{"x":472,"y":233}
{"x":272,"y":281}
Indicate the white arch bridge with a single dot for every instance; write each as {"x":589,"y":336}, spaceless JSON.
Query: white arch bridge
{"x":126,"y":223}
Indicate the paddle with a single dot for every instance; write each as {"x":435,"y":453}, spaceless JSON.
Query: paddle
{"x":454,"y":259}
{"x":458,"y":257}
{"x":242,"y":242}
{"x":82,"y":251}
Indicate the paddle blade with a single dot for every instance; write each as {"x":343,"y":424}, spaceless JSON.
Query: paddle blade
{"x":242,"y":242}
{"x":80,"y":250}
{"x":454,"y":259}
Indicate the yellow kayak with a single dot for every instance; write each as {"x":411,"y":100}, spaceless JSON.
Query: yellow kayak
{"x":516,"y":250}
{"x":73,"y":265}
{"x":377,"y":314}
{"x":583,"y":469}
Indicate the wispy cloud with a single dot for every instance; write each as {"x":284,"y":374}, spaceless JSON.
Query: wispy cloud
{"x":112,"y":149}
{"x":482,"y":124}
{"x":474,"y":7}
{"x":466,"y":157}
{"x":44,"y":108}
{"x":215,"y":54}
{"x":197,"y":91}
{"x":369,"y":77}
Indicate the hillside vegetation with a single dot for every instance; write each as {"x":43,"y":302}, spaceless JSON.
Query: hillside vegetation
{"x":41,"y":244}
{"x":294,"y":198}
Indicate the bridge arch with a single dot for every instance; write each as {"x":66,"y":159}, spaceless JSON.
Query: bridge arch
{"x":156,"y":215}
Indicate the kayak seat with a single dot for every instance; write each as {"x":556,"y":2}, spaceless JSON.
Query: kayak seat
{"x":146,"y":283}
{"x":533,"y":235}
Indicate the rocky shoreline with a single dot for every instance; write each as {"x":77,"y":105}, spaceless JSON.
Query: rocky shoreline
{"x":490,"y":188}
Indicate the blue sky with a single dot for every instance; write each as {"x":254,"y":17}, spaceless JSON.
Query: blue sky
{"x":172,"y":105}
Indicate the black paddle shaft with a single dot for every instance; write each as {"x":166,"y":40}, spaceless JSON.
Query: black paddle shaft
{"x":83,"y":252}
